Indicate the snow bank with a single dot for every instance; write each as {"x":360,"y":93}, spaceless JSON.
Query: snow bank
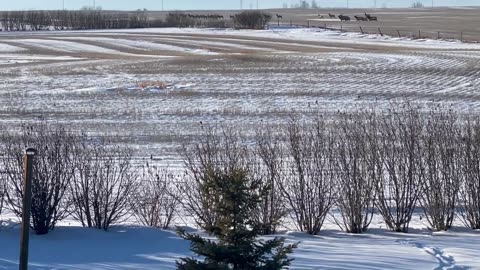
{"x":64,"y":46}
{"x":6,"y":48}
{"x":127,"y":247}
{"x":318,"y":35}
{"x":142,"y":45}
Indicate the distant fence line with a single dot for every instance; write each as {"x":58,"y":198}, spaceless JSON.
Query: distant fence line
{"x":463,"y":36}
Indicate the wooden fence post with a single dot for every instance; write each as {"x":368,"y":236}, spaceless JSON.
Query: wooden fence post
{"x":461,"y":36}
{"x":361,"y":30}
{"x":27,"y":202}
{"x":419,"y":34}
{"x":380,"y":31}
{"x":438,"y":36}
{"x":398,"y":31}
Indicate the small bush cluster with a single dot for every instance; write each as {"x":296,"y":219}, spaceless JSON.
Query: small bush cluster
{"x":251,"y":20}
{"x":417,"y":4}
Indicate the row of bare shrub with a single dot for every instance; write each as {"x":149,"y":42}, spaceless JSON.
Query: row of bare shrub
{"x":343,"y":166}
{"x":89,"y":179}
{"x":348,"y":166}
{"x":73,"y":175}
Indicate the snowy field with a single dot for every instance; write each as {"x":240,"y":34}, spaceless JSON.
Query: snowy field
{"x":92,"y":80}
{"x":101,"y":82}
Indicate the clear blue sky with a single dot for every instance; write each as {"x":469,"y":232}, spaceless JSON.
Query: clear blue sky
{"x":212,"y":4}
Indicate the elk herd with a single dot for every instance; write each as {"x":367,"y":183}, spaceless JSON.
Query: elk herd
{"x":367,"y":17}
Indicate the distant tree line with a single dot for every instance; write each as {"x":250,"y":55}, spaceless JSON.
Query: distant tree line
{"x":89,"y":18}
{"x":72,"y":20}
{"x":242,"y":20}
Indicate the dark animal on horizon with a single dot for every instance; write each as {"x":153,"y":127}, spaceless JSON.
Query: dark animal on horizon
{"x":279,"y":16}
{"x":332,"y":16}
{"x":370,"y":17}
{"x":344,"y":18}
{"x":360,"y":18}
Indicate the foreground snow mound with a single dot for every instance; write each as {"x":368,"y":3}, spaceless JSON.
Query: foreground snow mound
{"x":81,"y":248}
{"x":144,"y":248}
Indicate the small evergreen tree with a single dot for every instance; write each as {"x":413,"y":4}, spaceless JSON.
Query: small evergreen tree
{"x":236,"y":247}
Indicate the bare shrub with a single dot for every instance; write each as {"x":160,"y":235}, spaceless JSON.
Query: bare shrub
{"x":417,"y":4}
{"x":103,"y":183}
{"x":441,"y":168}
{"x":355,"y":171}
{"x":469,"y":195}
{"x":309,"y":187}
{"x":217,"y":152}
{"x":53,"y":169}
{"x":155,"y":201}
{"x":251,"y":20}
{"x":271,"y":208}
{"x":399,"y":144}
{"x":179,"y":19}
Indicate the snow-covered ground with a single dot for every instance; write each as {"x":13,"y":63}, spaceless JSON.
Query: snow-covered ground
{"x":142,"y":248}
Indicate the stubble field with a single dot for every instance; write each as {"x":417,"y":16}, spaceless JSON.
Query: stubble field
{"x":106,"y":82}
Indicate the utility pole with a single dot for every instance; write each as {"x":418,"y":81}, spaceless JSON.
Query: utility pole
{"x":94,"y":5}
{"x":241,"y":4}
{"x":63,"y":4}
{"x":27,"y":203}
{"x":162,"y":6}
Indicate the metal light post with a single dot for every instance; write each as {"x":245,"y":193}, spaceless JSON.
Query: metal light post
{"x":27,"y":201}
{"x":162,"y":6}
